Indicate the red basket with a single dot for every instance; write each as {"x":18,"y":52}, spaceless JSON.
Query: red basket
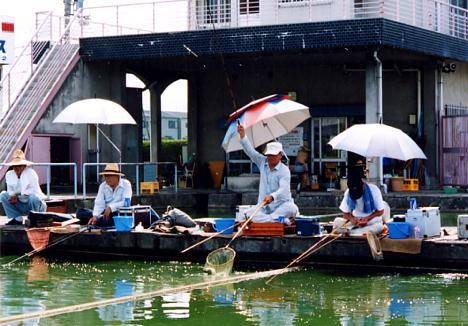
{"x":38,"y":237}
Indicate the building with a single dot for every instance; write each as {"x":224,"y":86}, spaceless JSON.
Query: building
{"x":400,"y":62}
{"x":173,"y":125}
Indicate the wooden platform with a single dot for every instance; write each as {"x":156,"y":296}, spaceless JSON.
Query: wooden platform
{"x":446,"y":253}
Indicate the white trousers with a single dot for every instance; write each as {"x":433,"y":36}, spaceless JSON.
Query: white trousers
{"x":375,"y":225}
{"x":286,"y":210}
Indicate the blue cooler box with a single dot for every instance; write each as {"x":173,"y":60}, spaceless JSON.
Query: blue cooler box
{"x":307,"y":225}
{"x":399,"y":230}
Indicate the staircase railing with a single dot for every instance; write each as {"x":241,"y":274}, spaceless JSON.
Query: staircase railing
{"x":49,"y":60}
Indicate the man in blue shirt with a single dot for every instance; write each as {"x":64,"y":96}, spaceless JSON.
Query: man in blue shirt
{"x":275,"y":183}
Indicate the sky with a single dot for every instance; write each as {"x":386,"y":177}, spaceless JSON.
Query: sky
{"x":23,"y":12}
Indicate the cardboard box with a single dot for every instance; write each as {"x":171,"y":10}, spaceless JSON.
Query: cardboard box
{"x":426,"y":219}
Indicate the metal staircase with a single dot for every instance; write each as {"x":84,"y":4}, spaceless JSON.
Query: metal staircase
{"x":33,"y":81}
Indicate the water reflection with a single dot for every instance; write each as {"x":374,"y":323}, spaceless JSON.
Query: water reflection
{"x":38,"y":270}
{"x":306,"y":296}
{"x":121,"y":311}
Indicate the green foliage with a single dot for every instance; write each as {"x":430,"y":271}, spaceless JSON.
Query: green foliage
{"x":171,"y":150}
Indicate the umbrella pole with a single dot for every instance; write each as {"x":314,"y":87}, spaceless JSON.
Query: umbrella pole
{"x":112,"y":143}
{"x":97,"y":153}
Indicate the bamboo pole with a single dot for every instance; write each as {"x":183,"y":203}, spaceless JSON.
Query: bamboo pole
{"x":263,"y":203}
{"x":142,"y":296}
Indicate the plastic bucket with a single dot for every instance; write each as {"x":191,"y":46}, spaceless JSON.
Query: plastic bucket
{"x":224,"y":223}
{"x":399,"y":230}
{"x":123,"y":223}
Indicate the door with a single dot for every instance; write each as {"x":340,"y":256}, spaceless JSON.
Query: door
{"x":40,"y":153}
{"x":327,"y":162}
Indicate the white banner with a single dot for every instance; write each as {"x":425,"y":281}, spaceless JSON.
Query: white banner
{"x":292,"y":141}
{"x":7,"y":40}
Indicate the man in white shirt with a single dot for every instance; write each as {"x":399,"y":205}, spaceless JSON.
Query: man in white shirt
{"x":111,"y":195}
{"x":275,"y":183}
{"x":362,"y":206}
{"x":23,"y":192}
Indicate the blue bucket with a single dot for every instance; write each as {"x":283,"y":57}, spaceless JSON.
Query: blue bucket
{"x":399,"y":230}
{"x":123,"y":223}
{"x":224,"y":223}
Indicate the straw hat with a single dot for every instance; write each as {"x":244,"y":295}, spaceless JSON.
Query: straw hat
{"x":19,"y":159}
{"x":112,"y":169}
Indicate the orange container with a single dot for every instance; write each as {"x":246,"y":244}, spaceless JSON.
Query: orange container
{"x":264,"y":229}
{"x":410,"y":184}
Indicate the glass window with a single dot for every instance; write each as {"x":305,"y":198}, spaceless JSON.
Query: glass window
{"x":171,"y":124}
{"x":249,"y":7}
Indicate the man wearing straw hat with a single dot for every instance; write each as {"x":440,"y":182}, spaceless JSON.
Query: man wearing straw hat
{"x":23,"y":192}
{"x":111,"y":195}
{"x":275,"y":183}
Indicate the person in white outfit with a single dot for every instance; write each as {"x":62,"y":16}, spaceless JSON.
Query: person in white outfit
{"x":23,"y":192}
{"x":275,"y":183}
{"x":362,"y":206}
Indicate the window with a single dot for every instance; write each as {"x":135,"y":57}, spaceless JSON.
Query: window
{"x":459,"y":3}
{"x":214,"y":11}
{"x":247,"y":7}
{"x":171,"y":124}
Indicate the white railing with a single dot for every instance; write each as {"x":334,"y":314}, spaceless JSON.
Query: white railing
{"x":183,"y":15}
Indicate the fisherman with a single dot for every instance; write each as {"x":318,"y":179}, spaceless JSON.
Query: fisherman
{"x":111,"y":195}
{"x":23,"y":192}
{"x":275,"y":179}
{"x":362,"y":206}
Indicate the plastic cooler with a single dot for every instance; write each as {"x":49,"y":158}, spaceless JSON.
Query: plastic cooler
{"x":123,"y":223}
{"x":224,"y":223}
{"x":399,"y":230}
{"x":427,"y":219}
{"x":307,"y":225}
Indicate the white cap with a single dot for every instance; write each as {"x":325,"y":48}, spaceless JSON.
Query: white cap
{"x":273,"y":148}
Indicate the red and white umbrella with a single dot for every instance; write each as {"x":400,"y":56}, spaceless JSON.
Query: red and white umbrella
{"x":264,"y":120}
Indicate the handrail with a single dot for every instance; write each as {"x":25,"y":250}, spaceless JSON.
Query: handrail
{"x":137,"y":174}
{"x":48,"y":178}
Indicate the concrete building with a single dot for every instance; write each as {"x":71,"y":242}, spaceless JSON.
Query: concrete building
{"x":400,"y":62}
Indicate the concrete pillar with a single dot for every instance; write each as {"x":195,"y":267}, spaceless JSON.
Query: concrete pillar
{"x":155,"y":123}
{"x":192,"y":116}
{"x":374,"y":109}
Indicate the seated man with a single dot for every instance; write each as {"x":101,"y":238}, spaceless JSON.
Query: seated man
{"x":275,"y":183}
{"x":362,"y":206}
{"x":111,"y":195}
{"x":23,"y":192}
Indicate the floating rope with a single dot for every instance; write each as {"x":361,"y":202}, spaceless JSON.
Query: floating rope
{"x":142,"y":296}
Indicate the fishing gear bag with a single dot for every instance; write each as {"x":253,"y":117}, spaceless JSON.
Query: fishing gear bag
{"x":45,"y":219}
{"x":176,"y":217}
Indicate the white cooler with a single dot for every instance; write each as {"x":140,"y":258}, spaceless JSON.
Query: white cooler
{"x":240,"y":211}
{"x":462,"y":226}
{"x":427,"y":219}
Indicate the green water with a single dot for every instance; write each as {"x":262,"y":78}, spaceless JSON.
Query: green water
{"x":305,"y":297}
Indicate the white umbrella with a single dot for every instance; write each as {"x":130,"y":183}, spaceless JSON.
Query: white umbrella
{"x":377,"y":140}
{"x":264,"y":120}
{"x":96,"y":111}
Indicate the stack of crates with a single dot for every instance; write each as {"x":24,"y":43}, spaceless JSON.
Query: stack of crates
{"x":410,"y":185}
{"x":149,"y":188}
